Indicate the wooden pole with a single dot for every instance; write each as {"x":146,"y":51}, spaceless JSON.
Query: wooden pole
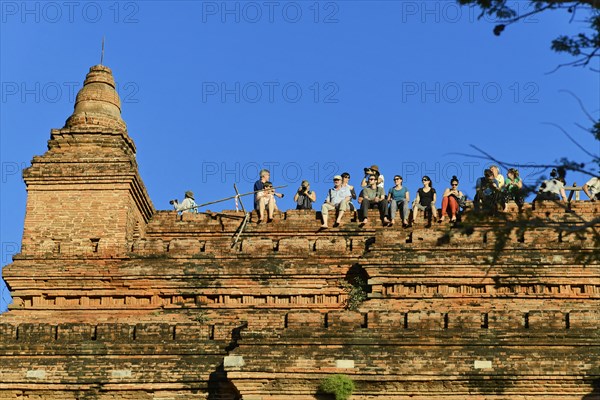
{"x":227,"y":198}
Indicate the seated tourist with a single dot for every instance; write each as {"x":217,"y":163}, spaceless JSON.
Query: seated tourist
{"x":398,"y":197}
{"x":259,"y":185}
{"x":497,"y":176}
{"x":266,"y":201}
{"x":425,"y":200}
{"x":346,"y":182}
{"x":304,"y":197}
{"x":487,"y":192}
{"x":552,"y":189}
{"x":513,"y":189}
{"x":372,"y":196}
{"x":451,"y":199}
{"x":592,"y":188}
{"x":337,"y":199}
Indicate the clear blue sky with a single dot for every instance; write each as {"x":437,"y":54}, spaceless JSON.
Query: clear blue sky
{"x":214,"y":91}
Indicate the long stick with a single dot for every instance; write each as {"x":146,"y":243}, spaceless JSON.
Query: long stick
{"x":228,"y":198}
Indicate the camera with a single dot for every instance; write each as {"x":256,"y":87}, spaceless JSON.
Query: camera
{"x":368,"y":171}
{"x":171,"y":202}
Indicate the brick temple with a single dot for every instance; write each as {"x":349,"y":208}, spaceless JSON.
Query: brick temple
{"x":114,"y":299}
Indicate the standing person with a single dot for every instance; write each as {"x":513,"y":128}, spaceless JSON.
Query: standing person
{"x":450,"y":199}
{"x":264,"y":176}
{"x":497,"y":176}
{"x":552,"y":189}
{"x":512,"y":189}
{"x":372,"y":196}
{"x":304,"y":197}
{"x":187,"y":205}
{"x":337,"y":199}
{"x":266,"y":201}
{"x":398,"y":197}
{"x":425,"y":200}
{"x":592,"y":188}
{"x":346,"y":183}
{"x":373,"y":170}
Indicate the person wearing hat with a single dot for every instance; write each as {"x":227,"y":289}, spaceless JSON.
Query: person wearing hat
{"x":373,"y":170}
{"x":187,"y":205}
{"x":337,"y":199}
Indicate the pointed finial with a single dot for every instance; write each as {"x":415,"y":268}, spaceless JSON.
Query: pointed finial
{"x":102,"y":55}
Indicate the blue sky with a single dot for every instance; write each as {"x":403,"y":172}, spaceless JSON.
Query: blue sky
{"x":214,"y":91}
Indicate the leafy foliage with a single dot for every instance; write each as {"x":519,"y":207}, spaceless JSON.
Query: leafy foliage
{"x":341,"y":386}
{"x":357,"y":293}
{"x":584,"y":45}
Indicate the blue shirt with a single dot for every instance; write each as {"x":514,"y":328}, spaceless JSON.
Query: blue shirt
{"x":258,"y":185}
{"x":337,"y":196}
{"x":398,"y":195}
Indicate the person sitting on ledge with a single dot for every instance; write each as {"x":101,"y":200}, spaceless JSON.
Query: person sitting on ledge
{"x":552,"y":189}
{"x":497,"y":176}
{"x":337,"y":199}
{"x":398,"y":197}
{"x":592,"y":188}
{"x":304,"y":197}
{"x":512,"y":189}
{"x":425,"y":200}
{"x":346,"y":182}
{"x":187,"y":205}
{"x":266,"y":201}
{"x":259,"y":185}
{"x":487,"y":192}
{"x":372,"y":196}
{"x":451,"y":198}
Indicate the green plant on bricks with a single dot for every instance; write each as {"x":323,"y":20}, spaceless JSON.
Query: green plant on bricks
{"x":339,"y":385}
{"x":357,"y":293}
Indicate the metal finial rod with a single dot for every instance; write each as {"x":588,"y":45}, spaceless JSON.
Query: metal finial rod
{"x":102,"y":55}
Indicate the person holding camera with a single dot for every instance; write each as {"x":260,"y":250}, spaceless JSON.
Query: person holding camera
{"x":552,"y":189}
{"x":372,"y":196}
{"x":187,"y":205}
{"x":304,"y":197}
{"x":487,"y":192}
{"x":266,"y":201}
{"x":373,"y":170}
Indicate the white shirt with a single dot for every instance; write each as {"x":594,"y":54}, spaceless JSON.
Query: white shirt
{"x":593,"y":186}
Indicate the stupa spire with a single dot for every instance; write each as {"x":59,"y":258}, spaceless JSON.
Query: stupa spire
{"x":97,"y":104}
